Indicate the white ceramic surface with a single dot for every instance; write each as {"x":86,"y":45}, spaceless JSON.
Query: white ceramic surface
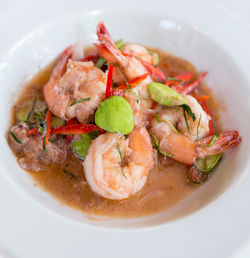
{"x":36,"y":32}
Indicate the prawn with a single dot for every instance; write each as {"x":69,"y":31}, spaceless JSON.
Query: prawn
{"x":117,"y":168}
{"x":174,"y":137}
{"x":65,"y":92}
{"x":132,"y":68}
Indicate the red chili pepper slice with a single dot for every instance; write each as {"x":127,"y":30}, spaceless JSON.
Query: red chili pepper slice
{"x":72,"y":121}
{"x":48,"y":120}
{"x":109,"y":85}
{"x":188,"y":88}
{"x":75,"y":129}
{"x":133,"y":82}
{"x":32,"y":132}
{"x":184,"y":77}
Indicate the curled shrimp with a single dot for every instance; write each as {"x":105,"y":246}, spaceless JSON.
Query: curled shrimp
{"x":175,"y":139}
{"x":64,"y":93}
{"x":132,"y":68}
{"x":117,"y":168}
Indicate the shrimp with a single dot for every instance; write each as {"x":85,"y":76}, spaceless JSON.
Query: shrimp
{"x":132,"y":68}
{"x":117,"y":168}
{"x":80,"y":81}
{"x":140,"y":52}
{"x":181,"y":143}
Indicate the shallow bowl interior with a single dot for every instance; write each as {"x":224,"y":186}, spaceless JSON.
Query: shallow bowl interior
{"x":41,"y":46}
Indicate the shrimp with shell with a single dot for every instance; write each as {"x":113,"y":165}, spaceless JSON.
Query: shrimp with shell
{"x":132,"y":68}
{"x":184,"y":144}
{"x":116,"y":167}
{"x":77,"y":92}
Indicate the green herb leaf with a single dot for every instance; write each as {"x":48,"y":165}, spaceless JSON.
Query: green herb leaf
{"x":127,"y":83}
{"x":216,"y":136}
{"x":40,"y":129}
{"x":69,"y":173}
{"x":101,"y":62}
{"x":187,"y":109}
{"x":119,"y":43}
{"x":174,"y":79}
{"x":32,"y":109}
{"x":44,"y":135}
{"x":198,"y":127}
{"x":119,"y":150}
{"x":156,"y":144}
{"x":120,"y":153}
{"x":171,"y":125}
{"x":156,"y":116}
{"x":79,"y":101}
{"x":15,"y":138}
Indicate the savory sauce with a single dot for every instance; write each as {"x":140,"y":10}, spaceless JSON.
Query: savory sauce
{"x":166,"y":184}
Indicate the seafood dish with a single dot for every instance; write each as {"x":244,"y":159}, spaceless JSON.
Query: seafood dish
{"x":119,"y":130}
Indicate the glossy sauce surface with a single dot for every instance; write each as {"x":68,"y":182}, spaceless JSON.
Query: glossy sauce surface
{"x":166,"y":185}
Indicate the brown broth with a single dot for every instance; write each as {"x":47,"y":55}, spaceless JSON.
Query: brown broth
{"x":166,"y":184}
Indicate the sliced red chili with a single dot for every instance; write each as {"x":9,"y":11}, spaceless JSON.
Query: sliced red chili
{"x":109,"y":85}
{"x":180,"y":78}
{"x":32,"y":131}
{"x":47,"y":130}
{"x":133,"y":82}
{"x":75,"y":129}
{"x":188,"y":88}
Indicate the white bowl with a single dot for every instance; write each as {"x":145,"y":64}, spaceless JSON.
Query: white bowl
{"x":175,"y":30}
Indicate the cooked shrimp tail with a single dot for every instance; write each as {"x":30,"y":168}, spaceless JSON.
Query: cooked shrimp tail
{"x":107,"y":48}
{"x":62,"y":62}
{"x":225,"y":141}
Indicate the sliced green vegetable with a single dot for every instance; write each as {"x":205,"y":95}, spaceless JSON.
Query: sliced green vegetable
{"x":164,"y":95}
{"x":21,"y":115}
{"x":115,"y":115}
{"x":81,"y":147}
{"x":57,"y":121}
{"x":208,"y":163}
{"x":93,"y":134}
